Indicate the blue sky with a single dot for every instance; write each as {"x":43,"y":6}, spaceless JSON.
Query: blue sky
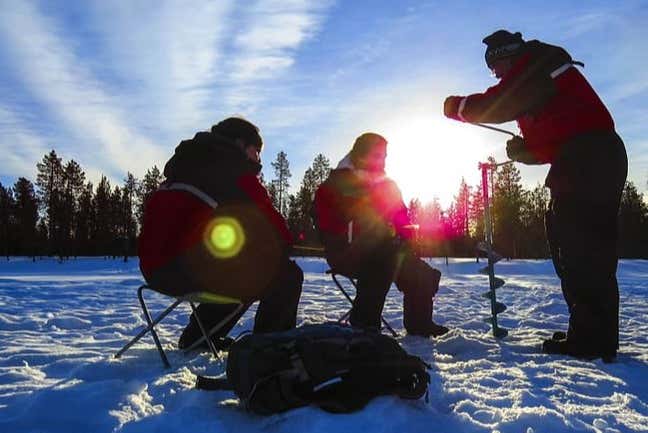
{"x":116,"y":85}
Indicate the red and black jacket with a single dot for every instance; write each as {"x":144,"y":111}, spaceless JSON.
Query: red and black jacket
{"x":205,"y":174}
{"x":350,"y":208}
{"x":549,"y":98}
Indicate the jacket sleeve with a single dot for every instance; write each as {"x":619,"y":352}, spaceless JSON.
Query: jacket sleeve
{"x":398,"y":215}
{"x":251,"y":185}
{"x":522,"y":90}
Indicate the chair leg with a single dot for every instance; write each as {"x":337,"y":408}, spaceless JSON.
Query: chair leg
{"x":150,"y":327}
{"x":213,"y":330}
{"x":205,"y":336}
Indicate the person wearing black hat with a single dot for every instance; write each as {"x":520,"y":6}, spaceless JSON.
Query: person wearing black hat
{"x":367,"y":234}
{"x":564,"y":123}
{"x":211,"y":227}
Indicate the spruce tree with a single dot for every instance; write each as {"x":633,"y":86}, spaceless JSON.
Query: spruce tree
{"x":26,"y":217}
{"x":6,"y":220}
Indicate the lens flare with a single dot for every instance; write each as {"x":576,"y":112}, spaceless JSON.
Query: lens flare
{"x":225,"y":237}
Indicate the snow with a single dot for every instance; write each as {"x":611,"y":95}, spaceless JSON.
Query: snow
{"x":60,"y":325}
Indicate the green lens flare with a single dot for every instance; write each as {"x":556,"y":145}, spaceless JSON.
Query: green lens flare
{"x":225,"y":237}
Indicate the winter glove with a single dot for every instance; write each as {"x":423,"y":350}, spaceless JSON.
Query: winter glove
{"x":517,"y":151}
{"x":451,"y":107}
{"x":515,"y":148}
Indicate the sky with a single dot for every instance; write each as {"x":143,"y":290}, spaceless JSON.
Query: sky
{"x":117,"y":85}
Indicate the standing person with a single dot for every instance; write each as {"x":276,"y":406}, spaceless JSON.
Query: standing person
{"x":563,"y":123}
{"x":211,"y":227}
{"x":367,"y":234}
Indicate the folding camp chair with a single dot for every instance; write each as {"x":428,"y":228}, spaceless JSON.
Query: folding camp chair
{"x":346,"y":315}
{"x":192,"y":299}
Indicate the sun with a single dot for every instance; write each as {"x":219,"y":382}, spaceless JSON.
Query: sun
{"x":427,"y":156}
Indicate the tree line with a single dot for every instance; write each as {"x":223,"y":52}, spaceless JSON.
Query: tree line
{"x":64,"y":215}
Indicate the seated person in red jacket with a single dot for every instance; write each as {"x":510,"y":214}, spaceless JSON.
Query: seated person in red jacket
{"x":211,"y":227}
{"x":367,"y":234}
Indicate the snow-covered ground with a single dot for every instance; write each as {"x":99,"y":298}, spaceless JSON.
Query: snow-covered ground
{"x":60,"y":324}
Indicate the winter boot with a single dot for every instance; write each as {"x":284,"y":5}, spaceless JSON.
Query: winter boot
{"x":431,"y":330}
{"x":567,"y":347}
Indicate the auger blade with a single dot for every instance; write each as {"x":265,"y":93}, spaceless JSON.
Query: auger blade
{"x":499,"y":307}
{"x":500,"y":332}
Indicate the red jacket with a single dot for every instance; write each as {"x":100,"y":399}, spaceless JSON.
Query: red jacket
{"x":205,"y":175}
{"x":549,"y":98}
{"x":350,"y":208}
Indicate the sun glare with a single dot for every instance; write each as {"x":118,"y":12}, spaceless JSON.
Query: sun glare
{"x":427,"y":157}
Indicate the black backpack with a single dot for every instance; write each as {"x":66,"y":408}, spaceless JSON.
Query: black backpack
{"x":335,"y":367}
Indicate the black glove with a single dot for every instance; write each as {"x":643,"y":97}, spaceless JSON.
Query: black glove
{"x":517,"y":151}
{"x":515,"y":147}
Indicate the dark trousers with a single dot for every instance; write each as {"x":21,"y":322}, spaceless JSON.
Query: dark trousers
{"x":277,"y":310}
{"x":375,"y":271}
{"x":582,"y":232}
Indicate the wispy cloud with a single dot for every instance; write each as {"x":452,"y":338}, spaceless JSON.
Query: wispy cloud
{"x":132,"y":80}
{"x":55,"y":76}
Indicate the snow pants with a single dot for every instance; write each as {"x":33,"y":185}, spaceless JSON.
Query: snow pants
{"x":375,"y":272}
{"x":581,"y":225}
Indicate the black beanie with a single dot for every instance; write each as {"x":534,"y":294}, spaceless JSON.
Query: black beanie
{"x":502,"y":44}
{"x":236,"y":127}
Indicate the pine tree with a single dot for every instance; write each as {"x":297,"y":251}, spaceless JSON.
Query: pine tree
{"x":414,"y":210}
{"x":26,"y":217}
{"x":633,"y":223}
{"x":85,"y":220}
{"x":532,"y":216}
{"x":73,"y":184}
{"x":101,"y":230}
{"x":7,"y":205}
{"x":321,"y":169}
{"x":299,"y":218}
{"x":507,"y":200}
{"x":282,"y":175}
{"x":49,"y":182}
{"x":116,"y":219}
{"x":149,"y":184}
{"x":128,"y":223}
{"x":462,"y":203}
{"x":476,"y":213}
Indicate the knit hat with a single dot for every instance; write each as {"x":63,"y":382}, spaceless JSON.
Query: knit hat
{"x":237,"y":127}
{"x":364,"y":143}
{"x":502,"y":44}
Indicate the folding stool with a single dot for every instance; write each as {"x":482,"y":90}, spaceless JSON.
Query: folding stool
{"x":192,"y":299}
